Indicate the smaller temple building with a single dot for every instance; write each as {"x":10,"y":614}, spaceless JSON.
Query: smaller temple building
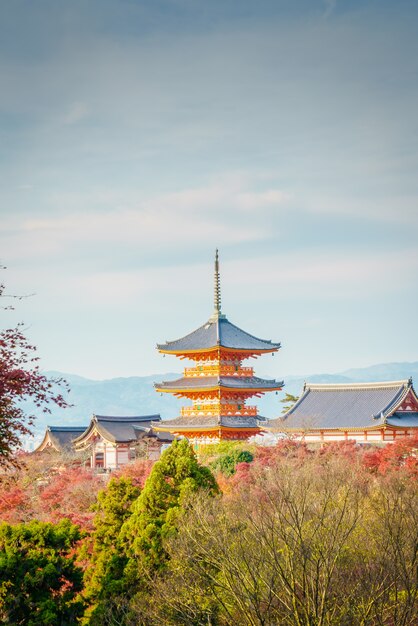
{"x":113,"y":441}
{"x":364,"y":412}
{"x":60,"y":438}
{"x":109,"y":441}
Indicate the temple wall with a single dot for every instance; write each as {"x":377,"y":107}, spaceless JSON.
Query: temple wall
{"x":110,"y":458}
{"x":388,"y":436}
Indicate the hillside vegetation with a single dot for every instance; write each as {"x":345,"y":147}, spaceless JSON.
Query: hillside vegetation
{"x":239,"y":535}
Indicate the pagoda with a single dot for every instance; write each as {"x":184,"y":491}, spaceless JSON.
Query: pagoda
{"x":218,"y":385}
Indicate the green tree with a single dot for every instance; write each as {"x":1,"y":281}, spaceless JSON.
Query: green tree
{"x":289,"y":400}
{"x":104,"y":575}
{"x":121,"y":585}
{"x":226,"y":463}
{"x":39,"y":580}
{"x":175,"y":476}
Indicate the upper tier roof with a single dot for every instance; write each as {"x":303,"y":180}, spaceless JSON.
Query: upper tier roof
{"x":218,"y":331}
{"x":210,"y":382}
{"x":360,"y":405}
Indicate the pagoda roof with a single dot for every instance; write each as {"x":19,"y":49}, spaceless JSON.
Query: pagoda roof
{"x":218,"y":331}
{"x":349,"y":406}
{"x":117,"y":429}
{"x":191,"y":383}
{"x":204,"y":422}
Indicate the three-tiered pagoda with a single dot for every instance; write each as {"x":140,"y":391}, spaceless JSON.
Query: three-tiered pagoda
{"x":218,"y":385}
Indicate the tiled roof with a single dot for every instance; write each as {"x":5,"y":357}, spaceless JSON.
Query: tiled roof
{"x":200,"y":422}
{"x":63,"y":436}
{"x":144,"y":431}
{"x":218,"y":332}
{"x":361,"y":405}
{"x":405,"y":419}
{"x":118,"y":429}
{"x":230,"y":382}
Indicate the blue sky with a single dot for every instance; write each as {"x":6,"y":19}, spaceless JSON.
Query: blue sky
{"x":136,"y":136}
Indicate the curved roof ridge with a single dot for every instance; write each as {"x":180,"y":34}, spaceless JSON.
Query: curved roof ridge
{"x":169,"y":343}
{"x":349,"y":386}
{"x":398,"y":399}
{"x":127,"y":418}
{"x":225,"y":319}
{"x":65,"y":429}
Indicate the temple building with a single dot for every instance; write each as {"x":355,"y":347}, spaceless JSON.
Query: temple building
{"x":60,"y":438}
{"x":218,"y":385}
{"x":113,"y":441}
{"x":364,"y":412}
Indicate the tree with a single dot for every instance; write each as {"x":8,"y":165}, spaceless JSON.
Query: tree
{"x":173,"y":478}
{"x":323,"y":542}
{"x":289,"y":400}
{"x":39,"y":580}
{"x":104,"y":575}
{"x":20,"y":380}
{"x":227,"y":463}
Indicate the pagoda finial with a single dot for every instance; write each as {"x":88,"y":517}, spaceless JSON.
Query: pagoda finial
{"x":217,"y":285}
{"x":216,"y":315}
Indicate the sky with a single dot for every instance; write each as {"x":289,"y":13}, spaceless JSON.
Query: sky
{"x":136,"y":136}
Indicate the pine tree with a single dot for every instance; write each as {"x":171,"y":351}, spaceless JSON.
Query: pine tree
{"x":39,"y":580}
{"x":104,"y":576}
{"x":175,"y":476}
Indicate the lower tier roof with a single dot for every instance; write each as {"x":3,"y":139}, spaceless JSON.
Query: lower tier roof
{"x":202,"y":422}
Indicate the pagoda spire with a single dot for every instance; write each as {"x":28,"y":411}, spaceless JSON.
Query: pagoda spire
{"x":217,"y":285}
{"x":217,"y":314}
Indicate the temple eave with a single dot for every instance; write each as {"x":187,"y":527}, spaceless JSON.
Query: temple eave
{"x":246,"y":353}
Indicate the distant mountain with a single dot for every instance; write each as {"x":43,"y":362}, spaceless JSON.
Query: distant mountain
{"x":136,"y":395}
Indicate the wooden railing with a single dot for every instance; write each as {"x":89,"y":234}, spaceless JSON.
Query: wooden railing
{"x":218,"y":370}
{"x":218,"y":409}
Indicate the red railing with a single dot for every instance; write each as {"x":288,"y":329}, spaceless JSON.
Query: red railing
{"x":218,"y":409}
{"x":218,"y":370}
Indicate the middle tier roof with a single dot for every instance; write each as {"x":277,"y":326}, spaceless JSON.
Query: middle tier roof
{"x":208,"y":383}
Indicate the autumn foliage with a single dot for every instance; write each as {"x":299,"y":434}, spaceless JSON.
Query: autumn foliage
{"x":295,"y":535}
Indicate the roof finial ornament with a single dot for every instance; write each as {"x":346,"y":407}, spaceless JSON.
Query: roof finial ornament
{"x":217,"y":284}
{"x":217,"y":292}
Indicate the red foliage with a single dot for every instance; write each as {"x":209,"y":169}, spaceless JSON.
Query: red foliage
{"x":20,"y":379}
{"x":347,"y":449}
{"x":12,"y":503}
{"x":138,"y":471}
{"x":71,"y":494}
{"x":403,"y":453}
{"x":285,"y":448}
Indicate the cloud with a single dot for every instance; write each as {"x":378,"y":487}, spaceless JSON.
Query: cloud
{"x":330,"y":6}
{"x":76,"y":112}
{"x":227,"y":211}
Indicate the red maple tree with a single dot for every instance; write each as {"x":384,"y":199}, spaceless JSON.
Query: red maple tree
{"x":21,"y":381}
